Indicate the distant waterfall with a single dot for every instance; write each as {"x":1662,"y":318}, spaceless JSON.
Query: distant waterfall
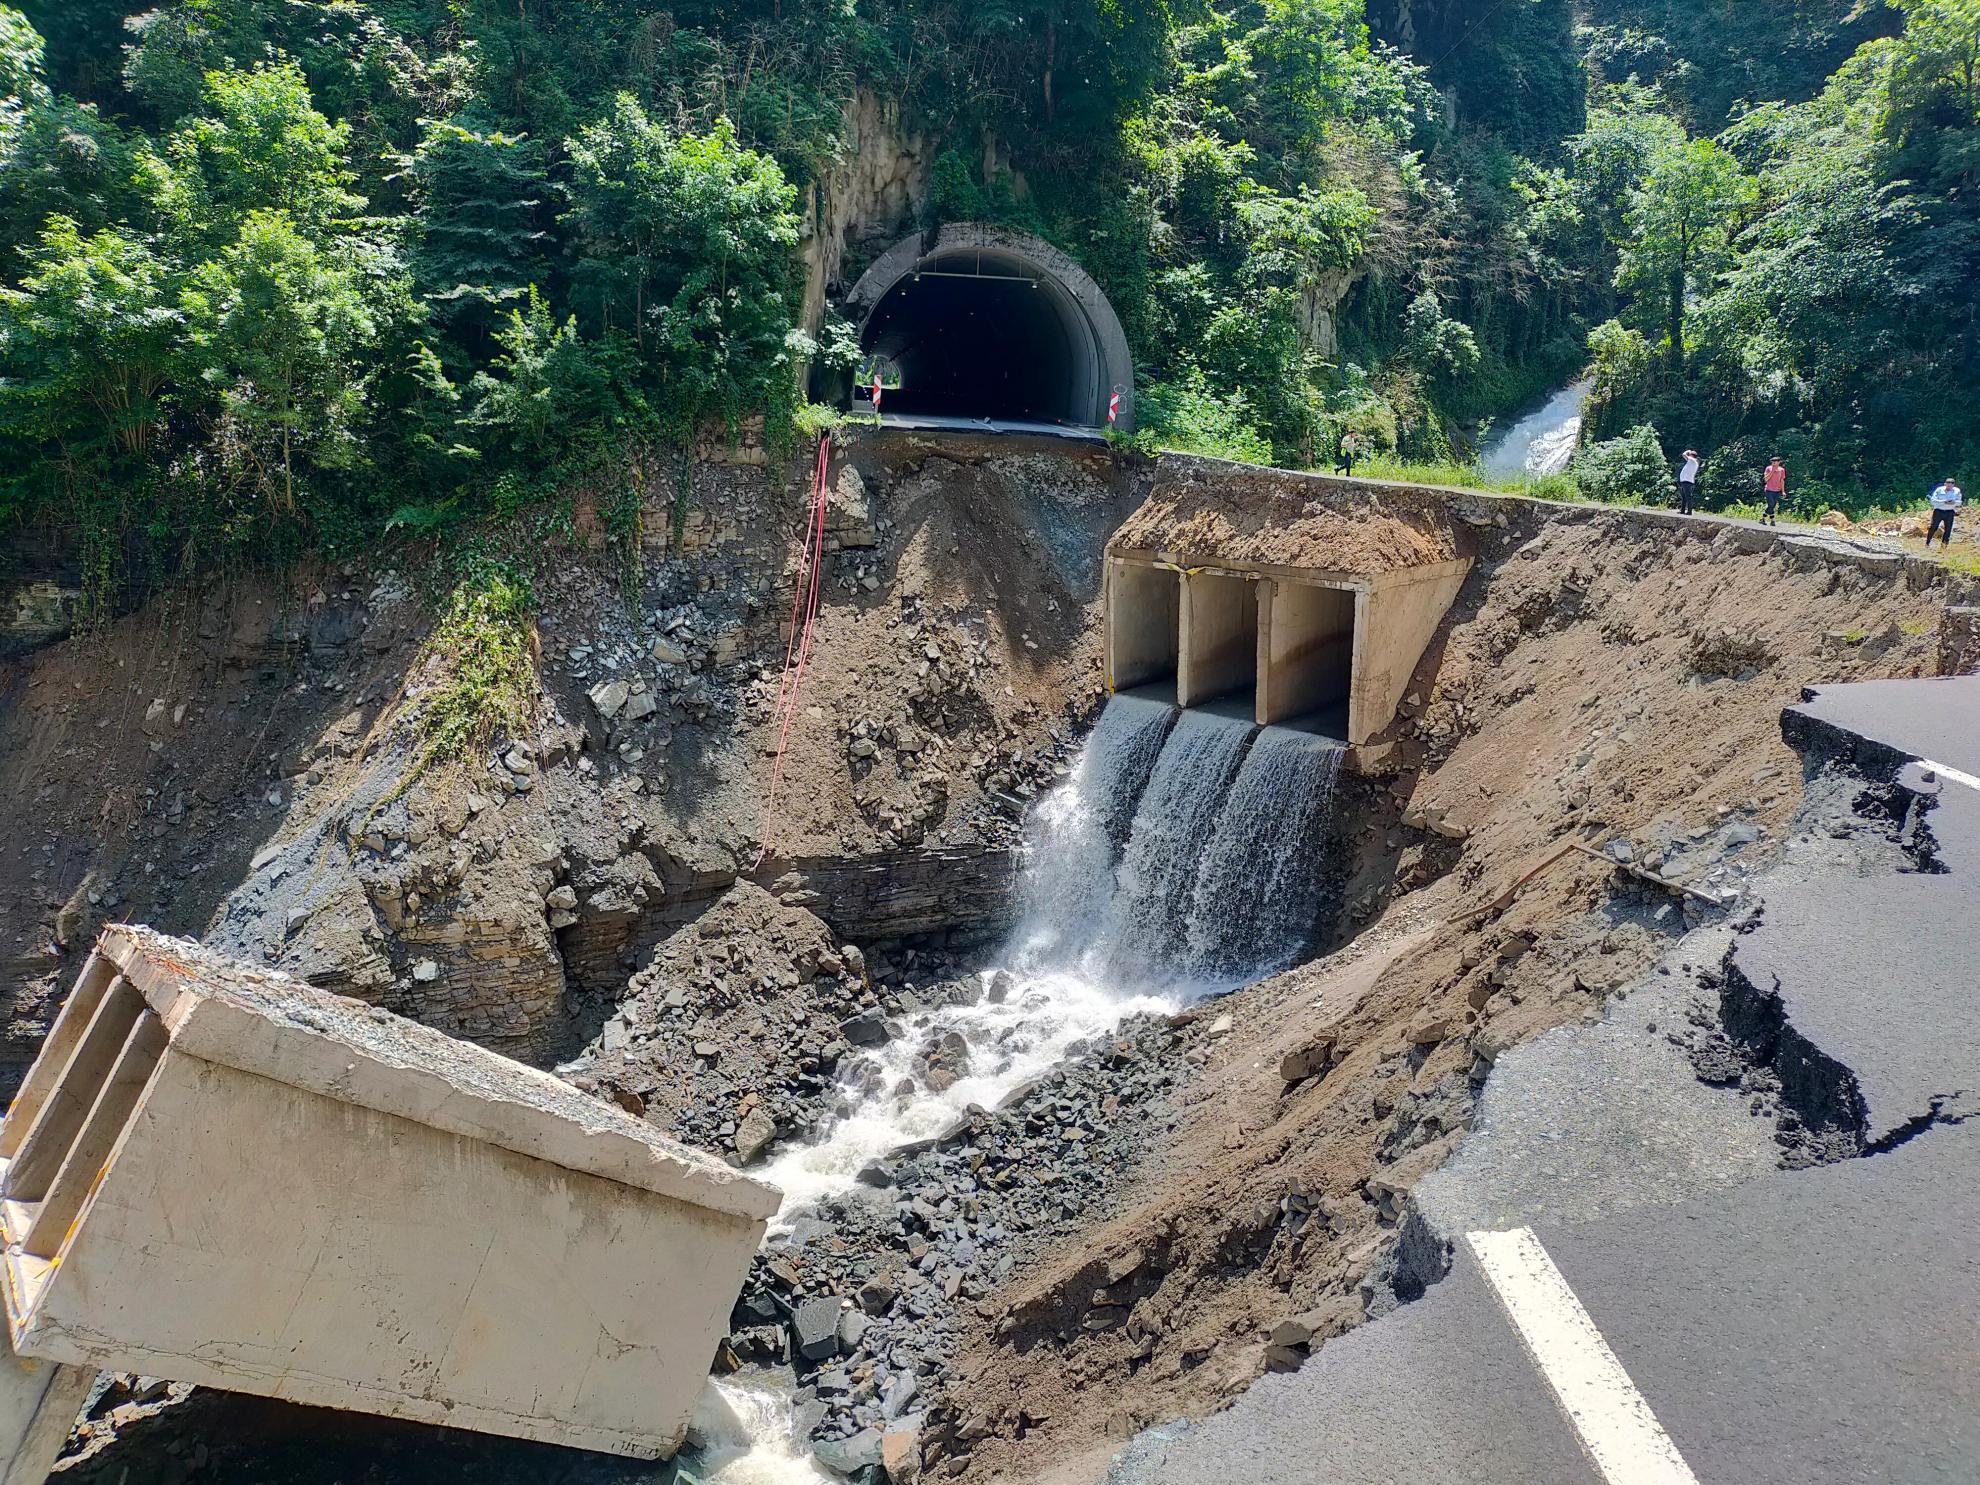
{"x":1544,"y":441}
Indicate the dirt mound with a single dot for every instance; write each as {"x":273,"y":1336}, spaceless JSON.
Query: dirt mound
{"x":1201,"y":510}
{"x":730,"y":1033}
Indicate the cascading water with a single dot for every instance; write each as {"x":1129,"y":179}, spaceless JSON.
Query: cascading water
{"x":1544,"y":441}
{"x":1259,"y":891}
{"x":1179,"y":857}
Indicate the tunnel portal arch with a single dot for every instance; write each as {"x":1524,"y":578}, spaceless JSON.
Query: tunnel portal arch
{"x":982,"y":322}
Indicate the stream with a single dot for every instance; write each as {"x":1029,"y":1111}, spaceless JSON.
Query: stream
{"x":1544,"y":440}
{"x":1163,"y":810}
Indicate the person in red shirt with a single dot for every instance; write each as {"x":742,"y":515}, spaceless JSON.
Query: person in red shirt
{"x":1774,"y":487}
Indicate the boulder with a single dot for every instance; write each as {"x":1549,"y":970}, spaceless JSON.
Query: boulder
{"x":849,"y":1456}
{"x":868,"y":1029}
{"x":610,"y":698}
{"x":755,"y":1131}
{"x":900,"y":1453}
{"x":815,"y":1328}
{"x":1310,"y":1060}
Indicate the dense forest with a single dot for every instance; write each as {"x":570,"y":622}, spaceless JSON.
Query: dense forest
{"x":284,"y":275}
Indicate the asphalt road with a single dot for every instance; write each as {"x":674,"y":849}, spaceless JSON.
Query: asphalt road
{"x":1764,"y":1326}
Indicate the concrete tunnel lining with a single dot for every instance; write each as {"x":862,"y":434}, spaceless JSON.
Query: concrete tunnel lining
{"x":983,"y":322}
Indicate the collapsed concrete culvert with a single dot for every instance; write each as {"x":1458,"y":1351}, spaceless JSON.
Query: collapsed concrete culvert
{"x":388,"y":1220}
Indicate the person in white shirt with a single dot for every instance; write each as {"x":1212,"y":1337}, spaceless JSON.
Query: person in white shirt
{"x":1946,"y":501}
{"x":1688,"y":482}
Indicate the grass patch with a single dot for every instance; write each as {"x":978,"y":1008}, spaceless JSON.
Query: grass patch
{"x":485,"y":658}
{"x":1469,"y":477}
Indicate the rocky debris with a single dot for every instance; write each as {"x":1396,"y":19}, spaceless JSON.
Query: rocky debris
{"x":735,"y":1026}
{"x":870,"y":1294}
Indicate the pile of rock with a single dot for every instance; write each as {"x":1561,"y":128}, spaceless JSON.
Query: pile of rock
{"x":864,"y":1297}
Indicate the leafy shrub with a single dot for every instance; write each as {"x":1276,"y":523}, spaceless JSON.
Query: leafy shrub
{"x":1187,"y":416}
{"x":1626,"y":470}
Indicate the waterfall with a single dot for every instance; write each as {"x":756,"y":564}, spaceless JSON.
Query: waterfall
{"x":1179,"y":857}
{"x":1543,"y":441}
{"x":1143,"y":932}
{"x":1256,"y":899}
{"x":1076,"y":833}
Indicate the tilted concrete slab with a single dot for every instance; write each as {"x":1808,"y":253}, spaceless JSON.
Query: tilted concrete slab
{"x":220,"y":1175}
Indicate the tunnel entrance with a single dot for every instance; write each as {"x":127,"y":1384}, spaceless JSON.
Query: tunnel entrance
{"x":979,"y":324}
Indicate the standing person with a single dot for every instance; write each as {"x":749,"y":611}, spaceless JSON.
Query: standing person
{"x":1946,"y":501}
{"x":1774,"y":486}
{"x":1350,"y":450}
{"x":1688,"y":482}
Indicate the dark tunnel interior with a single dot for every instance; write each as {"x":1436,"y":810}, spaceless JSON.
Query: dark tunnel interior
{"x":989,"y":345}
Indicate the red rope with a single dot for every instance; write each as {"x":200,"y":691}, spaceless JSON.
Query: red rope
{"x":797,"y":652}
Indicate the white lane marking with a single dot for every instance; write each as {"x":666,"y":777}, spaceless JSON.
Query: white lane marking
{"x":1958,"y":776}
{"x":1610,"y":1417}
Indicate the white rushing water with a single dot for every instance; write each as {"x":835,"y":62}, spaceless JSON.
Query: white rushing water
{"x":1544,"y":441}
{"x":1176,"y":859}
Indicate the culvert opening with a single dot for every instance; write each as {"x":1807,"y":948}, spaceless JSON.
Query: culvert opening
{"x":1306,"y":656}
{"x":1219,"y":641}
{"x":1144,"y":628}
{"x":979,"y":323}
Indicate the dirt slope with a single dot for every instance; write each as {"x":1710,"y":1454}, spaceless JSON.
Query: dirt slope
{"x":232,"y":763}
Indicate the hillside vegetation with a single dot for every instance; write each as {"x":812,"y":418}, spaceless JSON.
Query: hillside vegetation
{"x":286,"y":275}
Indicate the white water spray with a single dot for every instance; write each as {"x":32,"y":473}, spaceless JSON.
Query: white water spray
{"x":1177,"y":859}
{"x":1545,"y":440}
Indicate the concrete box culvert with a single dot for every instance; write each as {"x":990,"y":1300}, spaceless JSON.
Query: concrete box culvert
{"x":1332,"y":650}
{"x":1312,"y":599}
{"x":219,"y":1175}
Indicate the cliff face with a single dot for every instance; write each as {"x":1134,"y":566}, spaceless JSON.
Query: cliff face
{"x":874,"y":194}
{"x":236,"y":764}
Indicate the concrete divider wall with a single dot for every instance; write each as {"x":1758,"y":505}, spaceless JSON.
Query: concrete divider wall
{"x":1399,"y":616}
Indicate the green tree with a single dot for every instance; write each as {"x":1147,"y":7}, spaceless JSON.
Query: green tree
{"x":480,"y":244}
{"x":89,"y":340}
{"x":261,"y":146}
{"x":688,"y":242}
{"x":279,"y":329}
{"x":1680,"y":227}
